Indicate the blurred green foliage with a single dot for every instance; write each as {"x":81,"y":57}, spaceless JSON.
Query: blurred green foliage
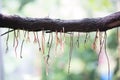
{"x":112,"y":43}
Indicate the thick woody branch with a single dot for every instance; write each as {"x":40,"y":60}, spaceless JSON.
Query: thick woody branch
{"x":52,"y":25}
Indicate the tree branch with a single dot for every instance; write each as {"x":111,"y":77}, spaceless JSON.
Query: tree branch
{"x":52,"y":25}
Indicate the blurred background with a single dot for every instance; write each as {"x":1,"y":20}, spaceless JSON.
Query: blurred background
{"x":84,"y":60}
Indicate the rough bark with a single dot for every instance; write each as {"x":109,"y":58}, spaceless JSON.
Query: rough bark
{"x":52,"y":25}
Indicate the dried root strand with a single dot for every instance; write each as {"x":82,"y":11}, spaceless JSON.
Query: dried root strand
{"x":28,"y":37}
{"x":18,"y":34}
{"x":61,"y":42}
{"x":86,"y":39}
{"x":48,"y":55}
{"x":21,"y":48}
{"x":38,"y":41}
{"x":46,"y":65}
{"x":7,"y":41}
{"x":22,"y":44}
{"x":7,"y":32}
{"x":101,"y":38}
{"x":35,"y":38}
{"x":70,"y":52}
{"x":48,"y":42}
{"x":107,"y":57}
{"x":56,"y":41}
{"x":95,"y":40}
{"x":46,"y":59}
{"x":102,"y":42}
{"x":43,"y":42}
{"x":77,"y":42}
{"x":15,"y":40}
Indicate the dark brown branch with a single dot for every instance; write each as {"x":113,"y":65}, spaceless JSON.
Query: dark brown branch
{"x":52,"y":25}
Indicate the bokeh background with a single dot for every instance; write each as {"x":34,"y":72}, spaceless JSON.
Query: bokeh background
{"x":84,"y":59}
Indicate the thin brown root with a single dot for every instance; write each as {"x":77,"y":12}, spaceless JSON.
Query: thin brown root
{"x":18,"y":34}
{"x":43,"y":42}
{"x":70,"y":52}
{"x":35,"y":39}
{"x":107,"y":57}
{"x":48,"y":42}
{"x":95,"y":40}
{"x":78,"y":41}
{"x":7,"y":42}
{"x":56,"y":42}
{"x":48,"y":56}
{"x":46,"y":65}
{"x":16,"y":39}
{"x":22,"y":45}
{"x":28,"y":38}
{"x":86,"y":39}
{"x":102,"y":41}
{"x":7,"y":32}
{"x":61,"y":41}
{"x":38,"y":41}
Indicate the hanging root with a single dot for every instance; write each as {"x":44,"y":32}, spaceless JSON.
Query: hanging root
{"x":63,"y":43}
{"x":46,"y":59}
{"x":43,"y":51}
{"x":102,"y":42}
{"x":70,"y":52}
{"x":43,"y":42}
{"x":38,"y":41}
{"x":22,"y":44}
{"x":7,"y":41}
{"x":18,"y":34}
{"x":77,"y":42}
{"x":15,"y":40}
{"x":86,"y":38}
{"x":50,"y":48}
{"x":48,"y":42}
{"x":63,"y":40}
{"x":28,"y":38}
{"x":56,"y":42}
{"x":107,"y":57}
{"x":95,"y":40}
{"x":7,"y":32}
{"x":21,"y":48}
{"x":35,"y":39}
